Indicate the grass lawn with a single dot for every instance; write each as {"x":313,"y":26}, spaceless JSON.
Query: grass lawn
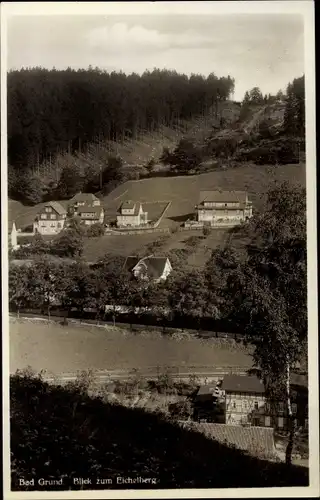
{"x":55,"y":348}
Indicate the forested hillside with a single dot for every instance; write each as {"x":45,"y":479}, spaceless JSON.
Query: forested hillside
{"x":90,"y":130}
{"x":52,"y":111}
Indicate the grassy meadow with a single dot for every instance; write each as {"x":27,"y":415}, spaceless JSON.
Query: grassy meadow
{"x":56,"y":348}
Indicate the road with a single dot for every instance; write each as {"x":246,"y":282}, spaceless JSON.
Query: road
{"x":151,"y":374}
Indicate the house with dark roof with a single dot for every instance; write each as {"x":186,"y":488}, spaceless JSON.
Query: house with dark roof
{"x":243,"y":395}
{"x":149,"y":268}
{"x":51,"y":218}
{"x":223,"y":208}
{"x":91,"y":215}
{"x":131,"y":214}
{"x":87,"y":207}
{"x":83,"y":199}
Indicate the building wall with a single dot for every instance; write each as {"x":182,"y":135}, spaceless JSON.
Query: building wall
{"x":167,"y":270}
{"x":49,"y":226}
{"x":221,"y":204}
{"x":239,"y":407}
{"x":128,"y":220}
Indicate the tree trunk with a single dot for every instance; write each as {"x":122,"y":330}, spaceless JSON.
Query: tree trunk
{"x":291,"y":426}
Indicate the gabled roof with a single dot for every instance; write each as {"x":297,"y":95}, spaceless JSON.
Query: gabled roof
{"x":89,"y":210}
{"x":243,"y":383}
{"x":129,"y":205}
{"x":57,"y":207}
{"x":154,"y":266}
{"x":84,"y":197}
{"x":299,"y":380}
{"x":223,"y":196}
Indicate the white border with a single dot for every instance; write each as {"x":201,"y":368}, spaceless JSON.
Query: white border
{"x":303,"y":7}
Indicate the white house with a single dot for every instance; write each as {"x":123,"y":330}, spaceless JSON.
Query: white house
{"x":51,"y":219}
{"x":223,"y":208}
{"x":131,"y":214}
{"x":154,"y":268}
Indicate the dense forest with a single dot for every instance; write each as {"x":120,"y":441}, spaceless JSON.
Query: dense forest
{"x":50,"y":111}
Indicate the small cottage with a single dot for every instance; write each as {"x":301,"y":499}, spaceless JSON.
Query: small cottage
{"x":131,"y":214}
{"x":149,"y":268}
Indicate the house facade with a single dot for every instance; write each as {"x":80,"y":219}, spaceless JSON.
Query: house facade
{"x":91,"y":215}
{"x":149,"y":268}
{"x":51,"y":219}
{"x":223,"y":208}
{"x":243,"y":396}
{"x":131,"y":214}
{"x":275,"y":413}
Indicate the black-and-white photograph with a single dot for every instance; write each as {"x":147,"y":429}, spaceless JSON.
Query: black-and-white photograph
{"x":160,"y":321}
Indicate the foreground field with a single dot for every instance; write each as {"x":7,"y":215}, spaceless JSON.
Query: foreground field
{"x":57,"y":349}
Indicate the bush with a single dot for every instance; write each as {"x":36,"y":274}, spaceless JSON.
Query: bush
{"x":95,"y":230}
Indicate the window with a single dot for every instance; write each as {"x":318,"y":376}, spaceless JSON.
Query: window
{"x":267,"y":421}
{"x":43,"y":216}
{"x":281,"y":407}
{"x":48,"y":209}
{"x":59,"y":224}
{"x":280,"y":422}
{"x":52,"y":225}
{"x":52,"y":216}
{"x":234,"y":405}
{"x":256,"y":405}
{"x":294,"y":408}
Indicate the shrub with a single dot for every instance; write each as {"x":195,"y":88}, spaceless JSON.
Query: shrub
{"x":95,"y":230}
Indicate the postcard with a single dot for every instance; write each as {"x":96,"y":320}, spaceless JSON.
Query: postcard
{"x":159,"y":250}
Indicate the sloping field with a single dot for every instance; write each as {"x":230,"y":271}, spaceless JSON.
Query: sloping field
{"x":131,"y":244}
{"x":59,"y":349}
{"x":183,"y":191}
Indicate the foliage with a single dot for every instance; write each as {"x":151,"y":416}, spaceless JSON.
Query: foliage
{"x":269,"y":290}
{"x":95,"y":230}
{"x":294,"y":118}
{"x":186,"y":156}
{"x":86,"y":106}
{"x":70,"y":183}
{"x":68,"y":244}
{"x":25,"y":186}
{"x":84,"y":437}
